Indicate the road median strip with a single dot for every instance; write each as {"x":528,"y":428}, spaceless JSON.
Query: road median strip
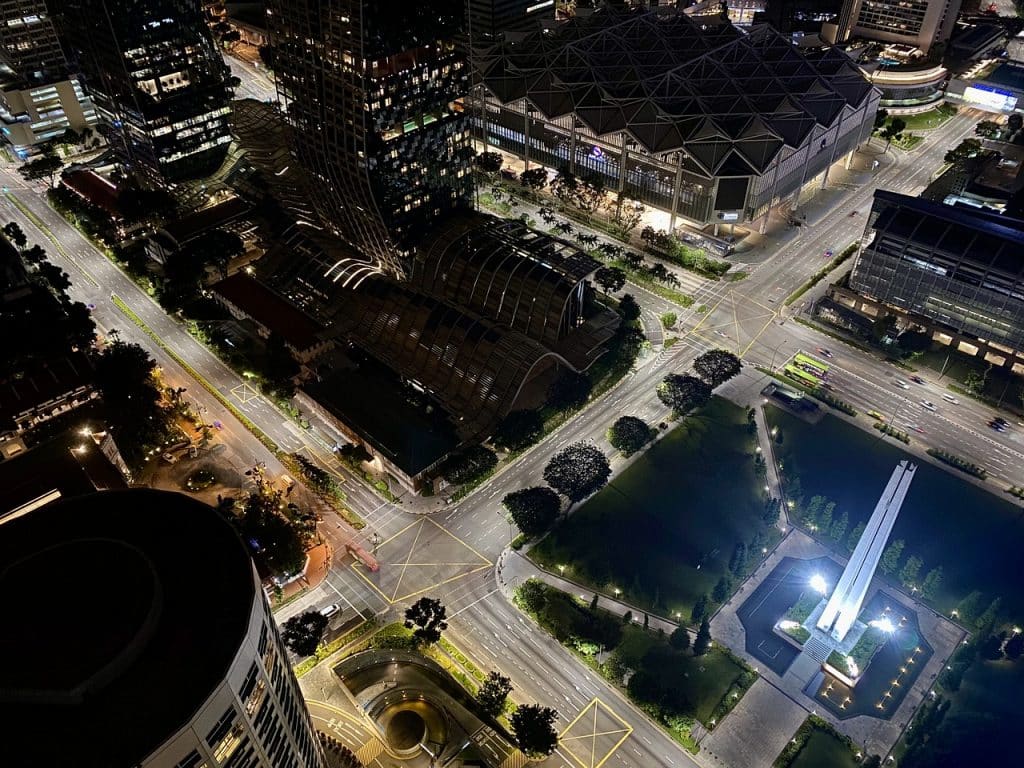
{"x":48,"y":234}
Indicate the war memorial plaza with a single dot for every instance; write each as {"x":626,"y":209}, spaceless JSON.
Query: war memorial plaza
{"x":799,"y":621}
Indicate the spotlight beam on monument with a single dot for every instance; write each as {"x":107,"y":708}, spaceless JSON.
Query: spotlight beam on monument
{"x":848,"y":597}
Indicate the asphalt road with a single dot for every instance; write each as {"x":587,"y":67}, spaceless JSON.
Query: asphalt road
{"x":493,"y":632}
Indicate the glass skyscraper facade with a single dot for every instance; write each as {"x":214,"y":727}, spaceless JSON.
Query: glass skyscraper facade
{"x":963,"y":269}
{"x":374,"y":94}
{"x":157,"y":79}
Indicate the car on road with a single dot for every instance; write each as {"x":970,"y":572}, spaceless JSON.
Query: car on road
{"x":828,"y":254}
{"x":901,"y":384}
{"x":876,"y":415}
{"x":170,"y":458}
{"x":331,"y":610}
{"x":917,"y":379}
{"x":999,"y":424}
{"x":825,"y":352}
{"x":928,"y":405}
{"x":950,"y":399}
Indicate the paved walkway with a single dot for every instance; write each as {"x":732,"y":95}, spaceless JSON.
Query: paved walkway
{"x":515,"y":568}
{"x":756,"y":731}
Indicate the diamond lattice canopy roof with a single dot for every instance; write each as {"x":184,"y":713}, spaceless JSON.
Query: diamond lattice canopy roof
{"x":730,"y":100}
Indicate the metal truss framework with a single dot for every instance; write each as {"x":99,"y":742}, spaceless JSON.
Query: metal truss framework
{"x":729,"y":101}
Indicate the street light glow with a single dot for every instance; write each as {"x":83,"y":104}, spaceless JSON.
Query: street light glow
{"x":884,"y":624}
{"x":818,"y":584}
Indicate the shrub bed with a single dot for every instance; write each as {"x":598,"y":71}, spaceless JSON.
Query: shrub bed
{"x":962,"y":464}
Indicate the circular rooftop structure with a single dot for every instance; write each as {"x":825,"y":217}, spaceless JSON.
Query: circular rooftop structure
{"x":126,"y":610}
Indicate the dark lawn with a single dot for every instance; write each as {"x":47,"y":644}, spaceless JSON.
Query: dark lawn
{"x":664,"y":530}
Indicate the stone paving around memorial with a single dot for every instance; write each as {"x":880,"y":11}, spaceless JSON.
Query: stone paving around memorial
{"x":877,"y":735}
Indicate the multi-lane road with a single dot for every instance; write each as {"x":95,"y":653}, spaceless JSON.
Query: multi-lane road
{"x":483,"y":621}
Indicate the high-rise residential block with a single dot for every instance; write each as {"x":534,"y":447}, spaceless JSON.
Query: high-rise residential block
{"x":374,"y":94}
{"x":157,"y":79}
{"x":39,"y":101}
{"x":917,"y":23}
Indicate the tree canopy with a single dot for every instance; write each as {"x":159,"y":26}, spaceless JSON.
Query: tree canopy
{"x":534,"y":729}
{"x":702,"y":644}
{"x":683,"y":393}
{"x":302,"y":633}
{"x":569,"y":390}
{"x":426,"y":618}
{"x":533,"y":510}
{"x":124,"y":376}
{"x":488,"y":162}
{"x":492,"y":694}
{"x":611,"y":279}
{"x":717,"y":366}
{"x":577,"y":470}
{"x":469,"y":465}
{"x":278,"y":546}
{"x":518,"y":430}
{"x":629,"y":434}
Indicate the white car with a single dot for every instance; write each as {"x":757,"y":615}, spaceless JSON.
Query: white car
{"x":330,"y":610}
{"x":901,"y":384}
{"x":928,"y":405}
{"x":950,"y":399}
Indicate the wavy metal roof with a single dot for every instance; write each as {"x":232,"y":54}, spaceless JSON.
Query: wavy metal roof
{"x":730,"y":100}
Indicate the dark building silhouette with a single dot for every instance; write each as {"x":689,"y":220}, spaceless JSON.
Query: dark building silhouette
{"x":157,"y":79}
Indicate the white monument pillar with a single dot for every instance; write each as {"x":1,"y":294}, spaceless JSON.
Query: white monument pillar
{"x":848,"y":598}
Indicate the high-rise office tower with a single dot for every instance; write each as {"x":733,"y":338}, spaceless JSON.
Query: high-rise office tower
{"x":38,"y":99}
{"x":157,"y":79}
{"x":175,"y":660}
{"x":373,"y":92}
{"x":497,"y":19}
{"x":919,"y":23}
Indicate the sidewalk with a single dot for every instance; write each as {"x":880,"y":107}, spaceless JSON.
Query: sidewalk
{"x":514,"y":568}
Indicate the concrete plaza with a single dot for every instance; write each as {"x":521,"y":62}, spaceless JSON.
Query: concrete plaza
{"x":743,"y":734}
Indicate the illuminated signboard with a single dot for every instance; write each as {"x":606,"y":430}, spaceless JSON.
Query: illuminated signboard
{"x":991,"y":98}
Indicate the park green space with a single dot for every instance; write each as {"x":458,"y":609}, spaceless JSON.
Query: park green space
{"x":933,"y":118}
{"x":975,"y":536}
{"x":982,"y":726}
{"x":673,"y":685}
{"x":824,"y":748}
{"x":664,"y":530}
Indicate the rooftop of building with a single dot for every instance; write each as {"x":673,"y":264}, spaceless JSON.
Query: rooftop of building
{"x":270,"y":310}
{"x":40,"y":381}
{"x":405,"y":426}
{"x":993,"y":238}
{"x":95,"y":189}
{"x":730,"y":100}
{"x":69,"y":464}
{"x":194,"y":224}
{"x":1009,"y":74}
{"x":138,"y":666}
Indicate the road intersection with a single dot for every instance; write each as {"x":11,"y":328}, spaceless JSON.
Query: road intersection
{"x":451,"y":553}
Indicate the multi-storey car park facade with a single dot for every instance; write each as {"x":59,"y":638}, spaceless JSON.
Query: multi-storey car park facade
{"x":957,"y":272}
{"x":157,"y":80}
{"x":373,"y":92}
{"x":184,"y":670}
{"x":686,"y":114}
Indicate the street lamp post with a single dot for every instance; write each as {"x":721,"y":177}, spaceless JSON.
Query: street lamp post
{"x":771,"y":365}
